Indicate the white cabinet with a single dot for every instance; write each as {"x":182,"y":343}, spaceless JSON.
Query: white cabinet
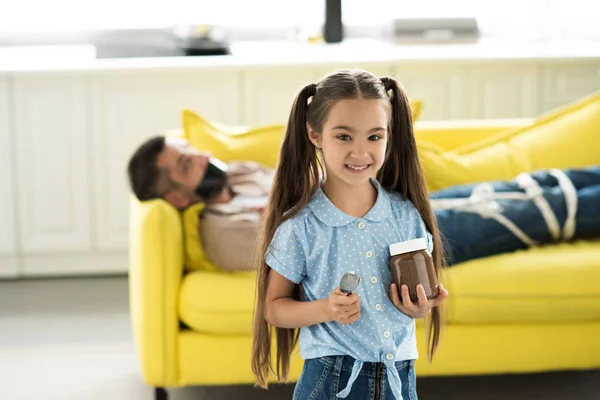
{"x":129,"y":108}
{"x":503,"y":91}
{"x":8,"y":260}
{"x":564,"y":83}
{"x":443,"y":89}
{"x":268,"y":94}
{"x":451,"y":91}
{"x":51,"y":157}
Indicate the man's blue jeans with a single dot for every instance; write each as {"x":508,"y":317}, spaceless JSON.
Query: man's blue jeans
{"x":468,"y":235}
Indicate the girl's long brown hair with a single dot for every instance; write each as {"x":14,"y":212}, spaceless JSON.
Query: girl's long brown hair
{"x":297,"y":178}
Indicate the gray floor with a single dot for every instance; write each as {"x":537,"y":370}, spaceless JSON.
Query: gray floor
{"x":70,"y":339}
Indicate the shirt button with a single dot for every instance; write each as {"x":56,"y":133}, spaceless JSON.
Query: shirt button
{"x":361,"y":225}
{"x":389,"y":356}
{"x":373,"y":279}
{"x":386,"y":334}
{"x":369,"y":254}
{"x":378,"y":307}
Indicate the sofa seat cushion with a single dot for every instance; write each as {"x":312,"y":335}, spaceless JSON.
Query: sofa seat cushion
{"x":558,"y":282}
{"x":217,"y":302}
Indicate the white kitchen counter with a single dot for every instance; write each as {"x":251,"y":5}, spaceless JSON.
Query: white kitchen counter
{"x":82,"y":58}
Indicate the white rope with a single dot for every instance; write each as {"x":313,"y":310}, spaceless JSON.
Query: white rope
{"x":534,"y":191}
{"x":570,"y":192}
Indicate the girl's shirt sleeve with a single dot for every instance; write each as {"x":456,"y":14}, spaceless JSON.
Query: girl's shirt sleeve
{"x":286,"y":253}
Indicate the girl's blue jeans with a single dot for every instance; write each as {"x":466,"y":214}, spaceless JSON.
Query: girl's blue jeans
{"x":322,"y":378}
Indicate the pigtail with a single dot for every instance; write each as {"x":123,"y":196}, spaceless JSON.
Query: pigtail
{"x":297,"y":155}
{"x":292,"y":189}
{"x":402,"y":172}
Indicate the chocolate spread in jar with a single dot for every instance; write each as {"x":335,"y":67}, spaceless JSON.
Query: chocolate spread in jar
{"x":411,"y":264}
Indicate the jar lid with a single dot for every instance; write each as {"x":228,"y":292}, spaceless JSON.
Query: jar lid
{"x":408,"y":246}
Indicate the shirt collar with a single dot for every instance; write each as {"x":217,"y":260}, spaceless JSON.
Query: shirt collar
{"x":330,"y":215}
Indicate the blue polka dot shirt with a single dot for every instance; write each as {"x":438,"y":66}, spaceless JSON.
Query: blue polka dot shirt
{"x":321,"y":243}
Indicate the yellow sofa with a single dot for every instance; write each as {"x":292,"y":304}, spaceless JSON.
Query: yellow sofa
{"x":528,"y":311}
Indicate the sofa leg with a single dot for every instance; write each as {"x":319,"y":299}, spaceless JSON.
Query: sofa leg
{"x":160,"y":394}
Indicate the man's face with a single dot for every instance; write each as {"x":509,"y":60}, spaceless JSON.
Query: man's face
{"x":186,"y":167}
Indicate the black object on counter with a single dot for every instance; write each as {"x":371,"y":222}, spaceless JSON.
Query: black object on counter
{"x":334,"y":29}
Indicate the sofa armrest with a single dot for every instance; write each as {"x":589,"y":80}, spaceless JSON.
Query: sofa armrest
{"x":451,"y":134}
{"x":155,"y":273}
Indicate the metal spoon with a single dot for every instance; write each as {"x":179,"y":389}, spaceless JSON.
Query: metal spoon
{"x":349,"y":282}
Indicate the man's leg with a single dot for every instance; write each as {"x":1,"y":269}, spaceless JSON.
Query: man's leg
{"x":580,"y":177}
{"x":587,"y":220}
{"x":469,"y":235}
{"x":464,"y":191}
{"x":474,"y":233}
{"x":587,"y":185}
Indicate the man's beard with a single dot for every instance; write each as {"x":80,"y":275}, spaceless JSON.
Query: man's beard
{"x":214,"y":181}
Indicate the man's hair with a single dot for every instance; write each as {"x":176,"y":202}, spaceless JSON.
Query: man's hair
{"x":146,"y":179}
